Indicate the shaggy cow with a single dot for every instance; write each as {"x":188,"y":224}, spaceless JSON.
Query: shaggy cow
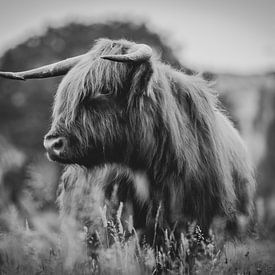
{"x":118,"y":104}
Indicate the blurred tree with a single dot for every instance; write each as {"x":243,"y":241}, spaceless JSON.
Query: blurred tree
{"x":266,"y":172}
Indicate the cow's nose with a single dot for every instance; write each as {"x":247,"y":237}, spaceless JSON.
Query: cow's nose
{"x":54,"y":145}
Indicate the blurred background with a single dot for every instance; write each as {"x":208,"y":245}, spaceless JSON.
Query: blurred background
{"x":230,"y":42}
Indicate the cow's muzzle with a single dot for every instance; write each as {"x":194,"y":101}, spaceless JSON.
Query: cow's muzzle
{"x":55,"y":146}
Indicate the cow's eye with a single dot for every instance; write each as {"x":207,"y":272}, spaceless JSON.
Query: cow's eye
{"x":102,"y":96}
{"x":106,"y":92}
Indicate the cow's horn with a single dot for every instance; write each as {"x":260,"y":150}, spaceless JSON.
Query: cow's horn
{"x":51,"y":70}
{"x":139,"y":53}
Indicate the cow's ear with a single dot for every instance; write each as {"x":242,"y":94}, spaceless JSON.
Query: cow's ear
{"x":141,"y":78}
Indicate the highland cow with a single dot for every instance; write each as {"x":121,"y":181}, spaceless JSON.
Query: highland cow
{"x":119,"y":105}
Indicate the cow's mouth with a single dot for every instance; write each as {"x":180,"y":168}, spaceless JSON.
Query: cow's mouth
{"x":65,"y":159}
{"x":58,"y":158}
{"x":90,"y":160}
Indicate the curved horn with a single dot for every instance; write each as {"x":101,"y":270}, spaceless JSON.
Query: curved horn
{"x":51,"y":70}
{"x":141,"y":53}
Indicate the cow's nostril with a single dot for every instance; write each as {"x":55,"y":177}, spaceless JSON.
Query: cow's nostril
{"x":55,"y":145}
{"x":58,"y":144}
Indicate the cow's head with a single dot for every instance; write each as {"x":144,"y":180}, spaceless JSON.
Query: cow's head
{"x":91,"y":123}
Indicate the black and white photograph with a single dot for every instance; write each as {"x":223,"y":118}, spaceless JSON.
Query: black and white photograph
{"x":137,"y":137}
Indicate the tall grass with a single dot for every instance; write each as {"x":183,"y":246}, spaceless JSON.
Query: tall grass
{"x":49,"y":246}
{"x":45,"y":245}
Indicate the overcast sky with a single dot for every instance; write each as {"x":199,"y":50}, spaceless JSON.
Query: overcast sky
{"x":223,"y":35}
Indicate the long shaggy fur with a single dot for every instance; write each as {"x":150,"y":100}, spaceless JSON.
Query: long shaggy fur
{"x":153,"y":119}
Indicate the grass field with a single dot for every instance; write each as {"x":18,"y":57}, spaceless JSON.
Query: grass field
{"x":49,"y":246}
